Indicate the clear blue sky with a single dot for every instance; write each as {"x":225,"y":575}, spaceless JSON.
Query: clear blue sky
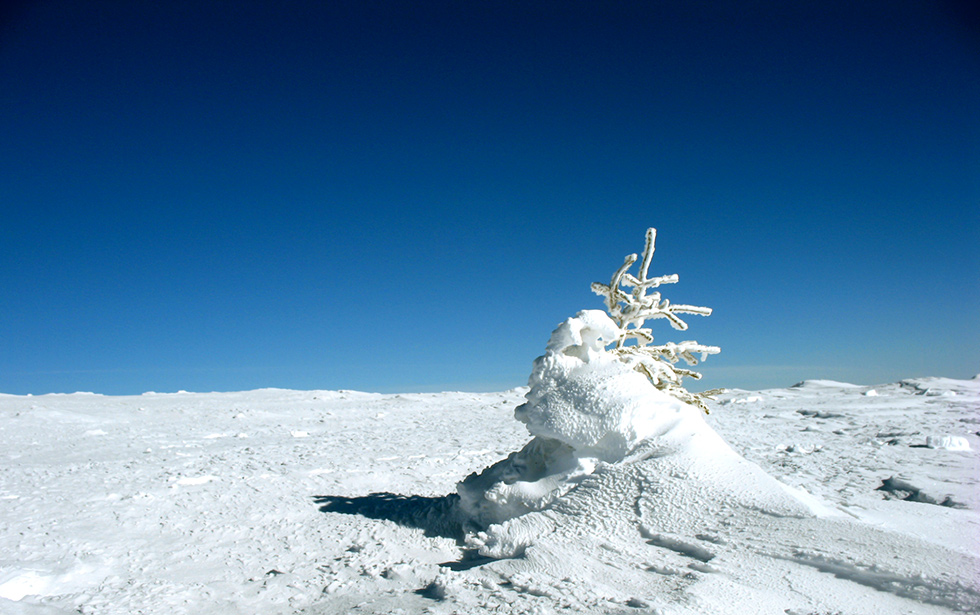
{"x":409,"y":196}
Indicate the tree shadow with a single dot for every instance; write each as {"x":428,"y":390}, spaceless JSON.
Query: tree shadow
{"x":436,"y":516}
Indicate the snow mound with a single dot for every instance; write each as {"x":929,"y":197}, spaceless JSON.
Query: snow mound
{"x":942,"y":387}
{"x":950,"y":443}
{"x":588,"y":399}
{"x":593,"y":419}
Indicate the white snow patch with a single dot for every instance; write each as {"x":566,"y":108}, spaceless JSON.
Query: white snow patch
{"x":16,"y":585}
{"x":25,"y":583}
{"x":196,"y":480}
{"x":824,"y":384}
{"x":950,"y":443}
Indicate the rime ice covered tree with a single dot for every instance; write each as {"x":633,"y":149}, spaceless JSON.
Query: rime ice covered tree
{"x":600,"y":390}
{"x":632,"y":307}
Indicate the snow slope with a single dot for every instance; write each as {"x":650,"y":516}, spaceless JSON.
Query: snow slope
{"x":312,"y":502}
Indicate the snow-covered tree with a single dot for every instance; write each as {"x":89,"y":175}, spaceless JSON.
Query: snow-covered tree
{"x":631,"y":308}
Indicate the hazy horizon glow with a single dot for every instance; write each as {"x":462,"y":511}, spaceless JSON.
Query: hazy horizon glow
{"x":401,"y":197}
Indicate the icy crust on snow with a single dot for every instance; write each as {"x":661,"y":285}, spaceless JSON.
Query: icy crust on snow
{"x":585,"y":408}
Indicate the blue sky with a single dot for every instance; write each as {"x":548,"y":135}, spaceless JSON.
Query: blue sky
{"x":405,"y":196}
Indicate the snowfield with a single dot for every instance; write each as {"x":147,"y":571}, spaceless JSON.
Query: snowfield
{"x":820,"y":498}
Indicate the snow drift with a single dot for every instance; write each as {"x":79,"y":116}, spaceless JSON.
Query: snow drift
{"x":592,"y":417}
{"x":592,"y":408}
{"x":588,"y":410}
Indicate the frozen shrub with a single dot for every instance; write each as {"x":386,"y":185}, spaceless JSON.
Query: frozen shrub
{"x":630,"y":308}
{"x":600,"y":391}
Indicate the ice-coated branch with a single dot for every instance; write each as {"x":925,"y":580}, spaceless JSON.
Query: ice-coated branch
{"x":648,"y":247}
{"x":631,"y":309}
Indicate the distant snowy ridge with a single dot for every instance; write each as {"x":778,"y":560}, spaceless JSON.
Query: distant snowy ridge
{"x":818,"y":384}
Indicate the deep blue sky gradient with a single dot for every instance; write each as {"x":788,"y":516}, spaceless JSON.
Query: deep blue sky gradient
{"x":409,"y":196}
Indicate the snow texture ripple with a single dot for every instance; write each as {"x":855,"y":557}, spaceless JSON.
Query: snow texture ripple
{"x":825,"y":499}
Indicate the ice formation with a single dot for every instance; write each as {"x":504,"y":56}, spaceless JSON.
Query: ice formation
{"x":585,"y":397}
{"x":952,"y":443}
{"x":594,"y":400}
{"x":584,"y":407}
{"x":617,"y":441}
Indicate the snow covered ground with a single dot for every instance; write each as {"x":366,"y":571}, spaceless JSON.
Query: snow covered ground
{"x":278,"y":501}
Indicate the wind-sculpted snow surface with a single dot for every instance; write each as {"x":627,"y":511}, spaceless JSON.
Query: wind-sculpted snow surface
{"x":585,"y":407}
{"x":619,"y":474}
{"x":319,"y":502}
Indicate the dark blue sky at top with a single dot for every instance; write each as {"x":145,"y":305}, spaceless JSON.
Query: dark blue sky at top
{"x":409,"y":196}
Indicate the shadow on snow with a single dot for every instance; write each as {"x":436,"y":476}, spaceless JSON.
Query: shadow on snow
{"x":436,"y":516}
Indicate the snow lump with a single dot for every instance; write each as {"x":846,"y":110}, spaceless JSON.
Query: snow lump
{"x":586,"y":409}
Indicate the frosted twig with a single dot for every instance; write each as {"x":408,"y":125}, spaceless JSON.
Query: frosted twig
{"x":630,"y":310}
